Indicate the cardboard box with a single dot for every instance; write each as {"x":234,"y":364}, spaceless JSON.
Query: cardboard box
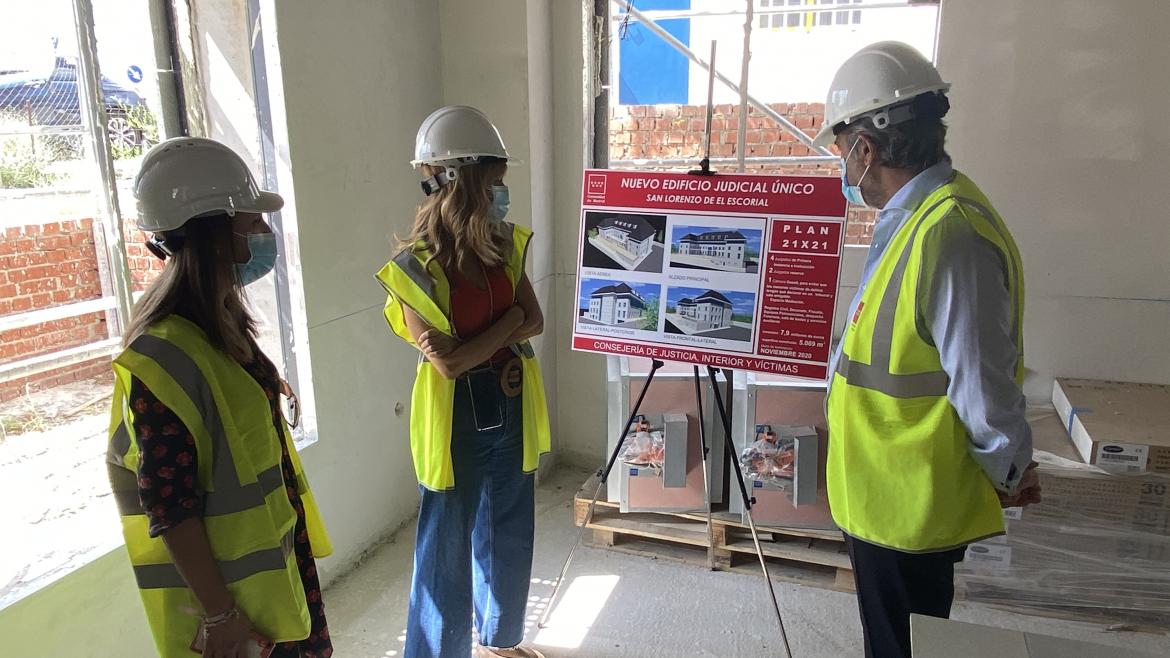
{"x":1098,"y":544}
{"x":795,"y":502}
{"x":673,"y":390}
{"x":1082,"y":496}
{"x":1117,"y":426}
{"x":675,"y":487}
{"x":1049,"y":435}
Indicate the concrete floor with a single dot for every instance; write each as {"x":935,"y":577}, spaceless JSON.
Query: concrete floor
{"x":622,"y":605}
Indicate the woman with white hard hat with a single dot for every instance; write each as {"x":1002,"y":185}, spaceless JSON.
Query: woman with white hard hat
{"x":218,"y":517}
{"x":457,"y":292}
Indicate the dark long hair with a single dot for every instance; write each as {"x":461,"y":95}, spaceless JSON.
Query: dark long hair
{"x":200,"y":283}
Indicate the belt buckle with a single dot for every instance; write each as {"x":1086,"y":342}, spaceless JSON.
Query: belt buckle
{"x":512,"y":377}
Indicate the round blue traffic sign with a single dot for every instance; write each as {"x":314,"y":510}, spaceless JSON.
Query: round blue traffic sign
{"x":134,"y":73}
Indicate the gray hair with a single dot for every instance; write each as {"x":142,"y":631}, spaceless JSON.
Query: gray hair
{"x":915,"y":144}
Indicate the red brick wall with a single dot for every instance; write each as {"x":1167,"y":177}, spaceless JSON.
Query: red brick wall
{"x":676,"y":131}
{"x":144,"y":266}
{"x":42,"y":266}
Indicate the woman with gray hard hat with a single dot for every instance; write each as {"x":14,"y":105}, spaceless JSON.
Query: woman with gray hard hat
{"x":217,"y":514}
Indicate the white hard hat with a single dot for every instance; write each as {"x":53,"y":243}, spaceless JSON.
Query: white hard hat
{"x":875,"y":79}
{"x":186,"y":177}
{"x":455,"y":135}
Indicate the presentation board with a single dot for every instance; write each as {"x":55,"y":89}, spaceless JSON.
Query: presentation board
{"x":734,"y":270}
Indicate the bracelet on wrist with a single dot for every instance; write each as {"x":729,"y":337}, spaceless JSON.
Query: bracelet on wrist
{"x":222,"y":618}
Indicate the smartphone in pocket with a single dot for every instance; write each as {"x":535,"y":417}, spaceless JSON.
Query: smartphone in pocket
{"x":484,"y":390}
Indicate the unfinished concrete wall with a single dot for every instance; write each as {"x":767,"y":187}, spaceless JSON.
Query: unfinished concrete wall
{"x":358,"y":78}
{"x":540,"y":169}
{"x":580,"y":378}
{"x":1060,"y":116}
{"x":223,"y":54}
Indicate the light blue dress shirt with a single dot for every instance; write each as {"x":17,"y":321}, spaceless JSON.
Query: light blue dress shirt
{"x":968,"y":312}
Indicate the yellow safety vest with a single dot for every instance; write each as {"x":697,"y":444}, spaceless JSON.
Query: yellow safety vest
{"x":413,"y":281}
{"x":246,"y":510}
{"x":899,"y":471}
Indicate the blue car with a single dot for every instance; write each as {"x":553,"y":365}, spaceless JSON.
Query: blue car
{"x":53,"y":101}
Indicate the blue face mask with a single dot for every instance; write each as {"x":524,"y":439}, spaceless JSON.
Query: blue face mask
{"x":852,"y":193}
{"x":500,"y":202}
{"x":263,"y":260}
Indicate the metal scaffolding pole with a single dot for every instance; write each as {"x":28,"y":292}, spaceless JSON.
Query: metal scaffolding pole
{"x":93,"y":117}
{"x":756,"y":103}
{"x":745,"y":64}
{"x":667,"y":14}
{"x":761,"y":160}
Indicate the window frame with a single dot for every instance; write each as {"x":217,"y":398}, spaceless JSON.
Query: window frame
{"x":118,"y":296}
{"x":111,"y":250}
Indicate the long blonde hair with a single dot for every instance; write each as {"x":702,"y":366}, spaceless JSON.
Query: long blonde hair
{"x":455,"y":222}
{"x":200,"y":283}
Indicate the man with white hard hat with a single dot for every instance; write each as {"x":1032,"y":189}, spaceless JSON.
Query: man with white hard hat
{"x":927,"y":435}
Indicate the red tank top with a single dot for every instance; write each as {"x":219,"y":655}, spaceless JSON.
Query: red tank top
{"x":473,"y":309}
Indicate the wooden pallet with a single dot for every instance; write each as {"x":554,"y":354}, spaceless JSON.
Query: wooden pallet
{"x":805,"y":556}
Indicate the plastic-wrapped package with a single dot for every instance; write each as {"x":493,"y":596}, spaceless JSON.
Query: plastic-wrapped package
{"x":769,"y":458}
{"x":1096,"y":548}
{"x":644,"y":446}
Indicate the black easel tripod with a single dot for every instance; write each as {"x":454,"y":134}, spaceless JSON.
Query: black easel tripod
{"x":604,"y":473}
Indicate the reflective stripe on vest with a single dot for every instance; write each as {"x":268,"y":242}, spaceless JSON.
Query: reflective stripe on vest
{"x":419,"y":292}
{"x":215,"y":503}
{"x":228,"y":496}
{"x":876,"y":375}
{"x":158,"y":576}
{"x":119,"y":445}
{"x":417,"y":273}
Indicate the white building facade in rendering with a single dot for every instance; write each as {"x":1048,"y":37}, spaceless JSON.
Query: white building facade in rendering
{"x":710,"y":310}
{"x":616,"y":304}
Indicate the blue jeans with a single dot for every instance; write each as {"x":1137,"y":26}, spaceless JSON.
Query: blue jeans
{"x":474,"y":544}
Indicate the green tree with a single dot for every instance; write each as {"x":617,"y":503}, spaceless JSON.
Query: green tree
{"x":144,"y":125}
{"x":23,"y":161}
{"x":650,"y":314}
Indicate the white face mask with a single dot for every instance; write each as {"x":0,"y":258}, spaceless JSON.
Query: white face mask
{"x":500,"y":202}
{"x":852,"y":193}
{"x":262,"y":247}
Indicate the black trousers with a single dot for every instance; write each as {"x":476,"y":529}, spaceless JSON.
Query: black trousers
{"x":892,"y":585}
